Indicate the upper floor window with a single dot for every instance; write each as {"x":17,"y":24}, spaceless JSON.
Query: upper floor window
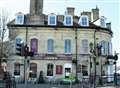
{"x":19,"y":18}
{"x":67,"y":46}
{"x":105,"y":48}
{"x":50,"y":45}
{"x":68,"y":20}
{"x":102,"y":21}
{"x":34,"y":45}
{"x":84,"y":21}
{"x":84,"y":46}
{"x":110,"y":48}
{"x":52,"y":19}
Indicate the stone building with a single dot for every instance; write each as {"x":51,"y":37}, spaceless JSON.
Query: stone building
{"x":60,"y":43}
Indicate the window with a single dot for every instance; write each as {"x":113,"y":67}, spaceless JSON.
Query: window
{"x":52,"y":20}
{"x":17,"y":69}
{"x":50,"y":45}
{"x":67,"y":46}
{"x":19,"y":19}
{"x":58,"y":69}
{"x":110,"y":48}
{"x":33,"y":70}
{"x":84,"y":70}
{"x":84,"y":46}
{"x":34,"y":45}
{"x":105,"y":48}
{"x":68,"y":20}
{"x":50,"y":69}
{"x":67,"y":72}
{"x":84,"y":21}
{"x":102,"y":21}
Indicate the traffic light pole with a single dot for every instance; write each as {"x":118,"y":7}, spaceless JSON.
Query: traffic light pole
{"x":25,"y":60}
{"x":94,"y":58}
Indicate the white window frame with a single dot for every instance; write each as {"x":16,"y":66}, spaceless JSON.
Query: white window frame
{"x":65,"y":17}
{"x":49,"y":16}
{"x":67,"y":47}
{"x":50,"y":52}
{"x":81,"y":19}
{"x":102,"y":21}
{"x":17,"y":21}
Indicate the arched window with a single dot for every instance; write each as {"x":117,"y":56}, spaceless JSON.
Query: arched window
{"x":33,"y":70}
{"x":17,"y":69}
{"x":50,"y":69}
{"x":50,"y":45}
{"x":34,"y":45}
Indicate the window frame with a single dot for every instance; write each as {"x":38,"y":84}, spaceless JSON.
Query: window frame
{"x":33,"y":70}
{"x":50,"y":46}
{"x":49,"y":19}
{"x":16,"y":69}
{"x":36,"y":49}
{"x":102,"y":21}
{"x":83,"y":47}
{"x":67,"y":47}
{"x":19,"y":21}
{"x":50,"y":68}
{"x":81,"y":21}
{"x":65,"y":20}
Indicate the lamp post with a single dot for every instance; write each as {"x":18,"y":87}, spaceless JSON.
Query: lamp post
{"x":25,"y":59}
{"x":76,"y":51}
{"x":115,"y":62}
{"x":94,"y":58}
{"x":91,"y":52}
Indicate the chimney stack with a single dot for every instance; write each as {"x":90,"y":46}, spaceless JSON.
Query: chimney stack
{"x":36,"y":7}
{"x":108,"y":25}
{"x":95,"y":13}
{"x":70,"y":11}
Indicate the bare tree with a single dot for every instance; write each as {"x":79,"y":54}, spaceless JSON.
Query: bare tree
{"x":3,"y":33}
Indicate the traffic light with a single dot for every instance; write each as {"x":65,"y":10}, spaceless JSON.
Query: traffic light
{"x":116,"y":57}
{"x":26,"y":50}
{"x":19,"y":47}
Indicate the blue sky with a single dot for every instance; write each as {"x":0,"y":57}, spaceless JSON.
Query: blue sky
{"x":108,"y":8}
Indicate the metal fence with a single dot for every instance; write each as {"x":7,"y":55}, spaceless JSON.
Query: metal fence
{"x":8,"y":83}
{"x":84,"y":83}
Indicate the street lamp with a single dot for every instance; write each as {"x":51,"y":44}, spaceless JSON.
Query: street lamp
{"x":91,"y":52}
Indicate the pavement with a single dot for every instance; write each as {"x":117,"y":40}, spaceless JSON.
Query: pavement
{"x":108,"y":87}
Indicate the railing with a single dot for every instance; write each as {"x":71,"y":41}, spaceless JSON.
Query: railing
{"x":8,"y":83}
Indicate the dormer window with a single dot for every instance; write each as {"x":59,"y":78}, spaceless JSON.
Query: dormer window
{"x":52,"y":20}
{"x":68,"y":20}
{"x":19,"y":18}
{"x":84,"y":21}
{"x":102,"y":21}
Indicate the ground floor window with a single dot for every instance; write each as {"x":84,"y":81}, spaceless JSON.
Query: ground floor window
{"x":58,"y":69}
{"x":67,"y":72}
{"x":84,"y":70}
{"x":17,"y":69}
{"x":50,"y":69}
{"x":33,"y":70}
